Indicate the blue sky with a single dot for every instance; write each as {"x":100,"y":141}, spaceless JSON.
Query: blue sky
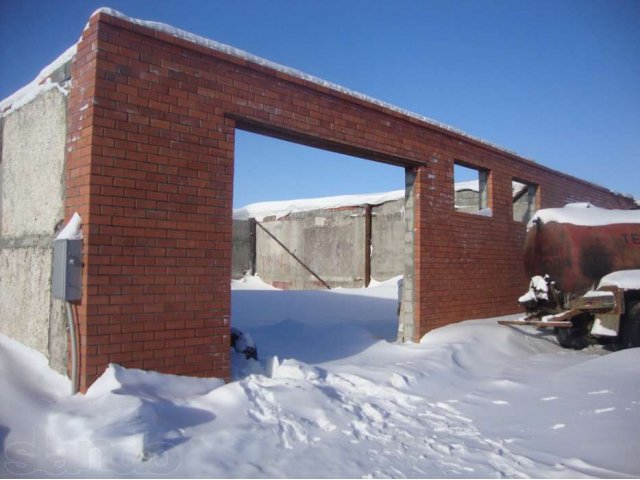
{"x":555,"y":81}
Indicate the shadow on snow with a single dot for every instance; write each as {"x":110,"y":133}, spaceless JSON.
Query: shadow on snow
{"x":313,"y":326}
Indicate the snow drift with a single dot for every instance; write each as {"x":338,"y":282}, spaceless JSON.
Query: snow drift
{"x":341,"y":400}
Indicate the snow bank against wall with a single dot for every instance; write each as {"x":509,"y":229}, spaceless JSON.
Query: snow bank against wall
{"x":31,"y":207}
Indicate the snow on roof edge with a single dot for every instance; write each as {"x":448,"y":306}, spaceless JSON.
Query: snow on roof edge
{"x":281,"y":208}
{"x":244,"y":55}
{"x":38,"y":85}
{"x":249,"y":57}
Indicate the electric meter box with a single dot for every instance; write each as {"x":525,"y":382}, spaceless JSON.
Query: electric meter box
{"x":66,"y":282}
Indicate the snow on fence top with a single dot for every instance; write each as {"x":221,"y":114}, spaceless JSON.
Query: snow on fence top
{"x":280,"y":209}
{"x":586,"y":215}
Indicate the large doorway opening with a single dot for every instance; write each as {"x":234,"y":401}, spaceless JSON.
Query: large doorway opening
{"x":315,"y":219}
{"x":322,"y":247}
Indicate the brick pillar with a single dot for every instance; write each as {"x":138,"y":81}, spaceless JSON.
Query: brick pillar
{"x":155,"y":194}
{"x":422,"y":296}
{"x":407,"y":321}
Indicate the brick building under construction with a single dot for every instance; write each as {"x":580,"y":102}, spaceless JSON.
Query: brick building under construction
{"x":134,"y":130}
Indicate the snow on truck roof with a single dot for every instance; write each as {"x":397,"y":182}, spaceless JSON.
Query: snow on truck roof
{"x":624,"y":279}
{"x":585,"y":214}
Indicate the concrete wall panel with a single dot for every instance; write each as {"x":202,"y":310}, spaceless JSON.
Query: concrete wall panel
{"x":27,"y":312}
{"x":387,"y":240}
{"x":32,"y":206}
{"x":328,"y":242}
{"x":242,"y":246}
{"x":33,"y":165}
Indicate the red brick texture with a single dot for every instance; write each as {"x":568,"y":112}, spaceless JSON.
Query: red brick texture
{"x":150,"y":169}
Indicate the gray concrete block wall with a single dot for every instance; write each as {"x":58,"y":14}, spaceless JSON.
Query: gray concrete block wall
{"x":387,"y":240}
{"x":406,"y":323}
{"x":329,"y":243}
{"x":524,"y":204}
{"x":241,"y":255}
{"x":467,"y":201}
{"x":31,"y":210}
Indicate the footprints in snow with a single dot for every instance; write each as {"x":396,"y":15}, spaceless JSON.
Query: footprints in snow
{"x":394,"y":427}
{"x":266,"y":410}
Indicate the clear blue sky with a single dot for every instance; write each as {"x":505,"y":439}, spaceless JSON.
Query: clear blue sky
{"x":555,"y":81}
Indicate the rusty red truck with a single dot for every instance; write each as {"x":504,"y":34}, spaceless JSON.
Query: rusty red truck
{"x":584,"y":264}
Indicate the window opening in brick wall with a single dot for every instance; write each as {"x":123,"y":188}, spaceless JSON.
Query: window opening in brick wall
{"x":471,"y":192}
{"x":525,"y":200}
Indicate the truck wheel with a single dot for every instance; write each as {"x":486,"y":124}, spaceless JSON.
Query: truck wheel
{"x":631,"y":327}
{"x":577,"y":337}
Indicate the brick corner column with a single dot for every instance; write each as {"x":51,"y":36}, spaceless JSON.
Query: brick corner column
{"x":79,"y":151}
{"x":155,"y":196}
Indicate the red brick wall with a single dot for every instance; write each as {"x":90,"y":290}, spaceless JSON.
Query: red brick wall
{"x":150,"y":168}
{"x":471,"y":266}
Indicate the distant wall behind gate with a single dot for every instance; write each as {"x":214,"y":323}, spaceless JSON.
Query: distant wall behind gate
{"x":332,"y":244}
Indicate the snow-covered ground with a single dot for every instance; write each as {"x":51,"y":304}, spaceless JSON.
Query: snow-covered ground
{"x":343,"y":400}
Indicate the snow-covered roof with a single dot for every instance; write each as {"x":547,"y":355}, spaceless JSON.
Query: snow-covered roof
{"x":282,"y":208}
{"x":474,"y":185}
{"x":42,"y":83}
{"x":585,"y":214}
